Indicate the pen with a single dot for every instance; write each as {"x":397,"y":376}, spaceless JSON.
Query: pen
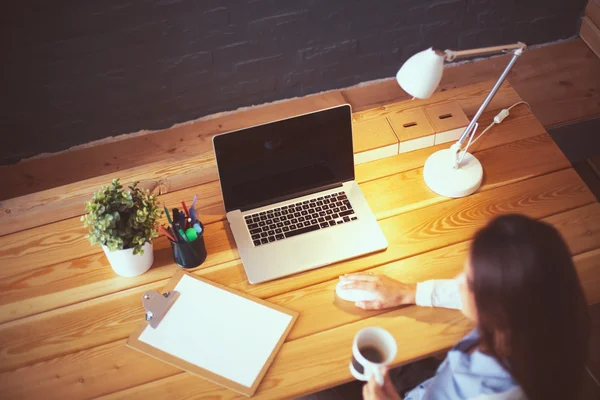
{"x":182,"y":234}
{"x":178,"y":252}
{"x":187,"y":213}
{"x":186,"y":241}
{"x":176,"y":228}
{"x":193,"y":215}
{"x":175,"y":215}
{"x":168,"y":214}
{"x":166,"y":232}
{"x":193,"y":207}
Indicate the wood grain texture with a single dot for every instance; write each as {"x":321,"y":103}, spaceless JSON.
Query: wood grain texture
{"x":77,"y":327}
{"x":469,"y":98}
{"x":447,"y":116}
{"x":185,"y":141}
{"x":406,"y":191}
{"x":561,"y":82}
{"x":195,"y":166}
{"x":275,"y":385}
{"x":410,"y":124}
{"x":38,"y":246}
{"x":590,"y":33}
{"x":321,"y":310}
{"x":63,"y":202}
{"x":30,"y":292}
{"x":521,"y":124}
{"x":24,"y":212}
{"x":96,"y":376}
{"x":324,"y":357}
{"x":219,"y":245}
{"x":84,"y":374}
{"x":592,"y":11}
{"x":373,"y":134}
{"x":64,"y":240}
{"x":63,"y":323}
{"x":113,"y":367}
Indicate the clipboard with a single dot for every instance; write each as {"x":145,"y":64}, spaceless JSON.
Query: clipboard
{"x":240,"y":371}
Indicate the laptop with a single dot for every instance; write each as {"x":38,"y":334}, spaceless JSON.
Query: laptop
{"x":290,"y":196}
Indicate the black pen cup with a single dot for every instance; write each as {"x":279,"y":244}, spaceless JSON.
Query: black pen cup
{"x":189,"y":254}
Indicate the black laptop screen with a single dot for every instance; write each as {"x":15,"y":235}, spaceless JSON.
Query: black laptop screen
{"x":284,"y":159}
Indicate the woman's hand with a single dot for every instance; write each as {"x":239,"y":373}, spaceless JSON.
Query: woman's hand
{"x":389,"y":292}
{"x":372,"y":391}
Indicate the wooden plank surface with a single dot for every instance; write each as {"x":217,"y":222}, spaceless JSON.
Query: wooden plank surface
{"x":374,"y":134}
{"x":57,"y":204}
{"x":592,"y":11}
{"x":327,"y":354}
{"x":168,"y":175}
{"x":64,"y":240}
{"x":179,"y":142}
{"x":321,"y":311}
{"x":106,"y":362}
{"x":100,"y":370}
{"x":42,"y":246}
{"x":32,"y":290}
{"x":63,"y":322}
{"x":28,"y":293}
{"x":56,"y":332}
{"x":411,"y":124}
{"x":590,"y":33}
{"x":560,"y":81}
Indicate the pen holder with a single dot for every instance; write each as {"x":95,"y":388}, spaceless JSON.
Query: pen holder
{"x":189,"y":254}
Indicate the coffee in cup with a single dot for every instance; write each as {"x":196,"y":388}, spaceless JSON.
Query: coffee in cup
{"x":372,"y":349}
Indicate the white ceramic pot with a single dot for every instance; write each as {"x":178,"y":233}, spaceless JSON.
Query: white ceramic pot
{"x":125,"y":263}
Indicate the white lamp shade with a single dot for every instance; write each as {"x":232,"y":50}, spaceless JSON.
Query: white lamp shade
{"x":421,"y":74}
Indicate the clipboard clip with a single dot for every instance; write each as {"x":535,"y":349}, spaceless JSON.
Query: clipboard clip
{"x":157,"y":305}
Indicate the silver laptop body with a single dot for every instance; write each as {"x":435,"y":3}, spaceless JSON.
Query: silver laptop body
{"x":290,"y":196}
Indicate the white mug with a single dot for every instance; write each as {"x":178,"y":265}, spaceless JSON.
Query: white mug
{"x":372,"y":349}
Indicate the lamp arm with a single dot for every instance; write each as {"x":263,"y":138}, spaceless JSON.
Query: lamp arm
{"x":490,"y":96}
{"x":451,"y":55}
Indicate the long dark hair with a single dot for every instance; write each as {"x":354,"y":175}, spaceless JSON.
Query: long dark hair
{"x":532,"y":313}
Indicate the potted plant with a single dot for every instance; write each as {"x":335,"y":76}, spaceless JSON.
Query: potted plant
{"x":124,"y":224}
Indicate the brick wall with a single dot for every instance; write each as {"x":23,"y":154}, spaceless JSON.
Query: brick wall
{"x":77,"y":71}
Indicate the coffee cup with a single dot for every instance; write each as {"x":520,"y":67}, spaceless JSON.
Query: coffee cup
{"x":372,"y":349}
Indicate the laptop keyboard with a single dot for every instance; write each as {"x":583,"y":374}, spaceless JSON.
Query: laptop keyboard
{"x":297,"y":218}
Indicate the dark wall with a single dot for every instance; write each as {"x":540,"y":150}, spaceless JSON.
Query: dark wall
{"x":74,"y":71}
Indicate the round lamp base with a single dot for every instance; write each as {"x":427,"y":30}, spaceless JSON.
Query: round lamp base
{"x":447,"y":181}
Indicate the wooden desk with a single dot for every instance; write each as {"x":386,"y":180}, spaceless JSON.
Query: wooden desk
{"x":64,"y":315}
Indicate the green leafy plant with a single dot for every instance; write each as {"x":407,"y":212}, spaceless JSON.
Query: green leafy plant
{"x":121,"y":219}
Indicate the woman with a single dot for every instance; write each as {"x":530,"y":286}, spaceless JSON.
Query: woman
{"x":520,"y":288}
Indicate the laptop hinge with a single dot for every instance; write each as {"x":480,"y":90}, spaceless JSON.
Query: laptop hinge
{"x":291,"y":196}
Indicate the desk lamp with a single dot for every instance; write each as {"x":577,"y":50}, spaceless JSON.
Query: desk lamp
{"x":448,"y":172}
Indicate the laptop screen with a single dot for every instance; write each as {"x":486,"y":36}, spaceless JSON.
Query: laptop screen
{"x":285,"y":159}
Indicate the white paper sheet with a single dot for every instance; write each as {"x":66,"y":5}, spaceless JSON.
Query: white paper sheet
{"x":218,"y":331}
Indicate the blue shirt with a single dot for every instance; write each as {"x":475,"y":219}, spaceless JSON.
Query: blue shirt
{"x":463,"y":375}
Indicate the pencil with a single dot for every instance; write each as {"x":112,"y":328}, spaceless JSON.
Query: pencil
{"x":187,"y":213}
